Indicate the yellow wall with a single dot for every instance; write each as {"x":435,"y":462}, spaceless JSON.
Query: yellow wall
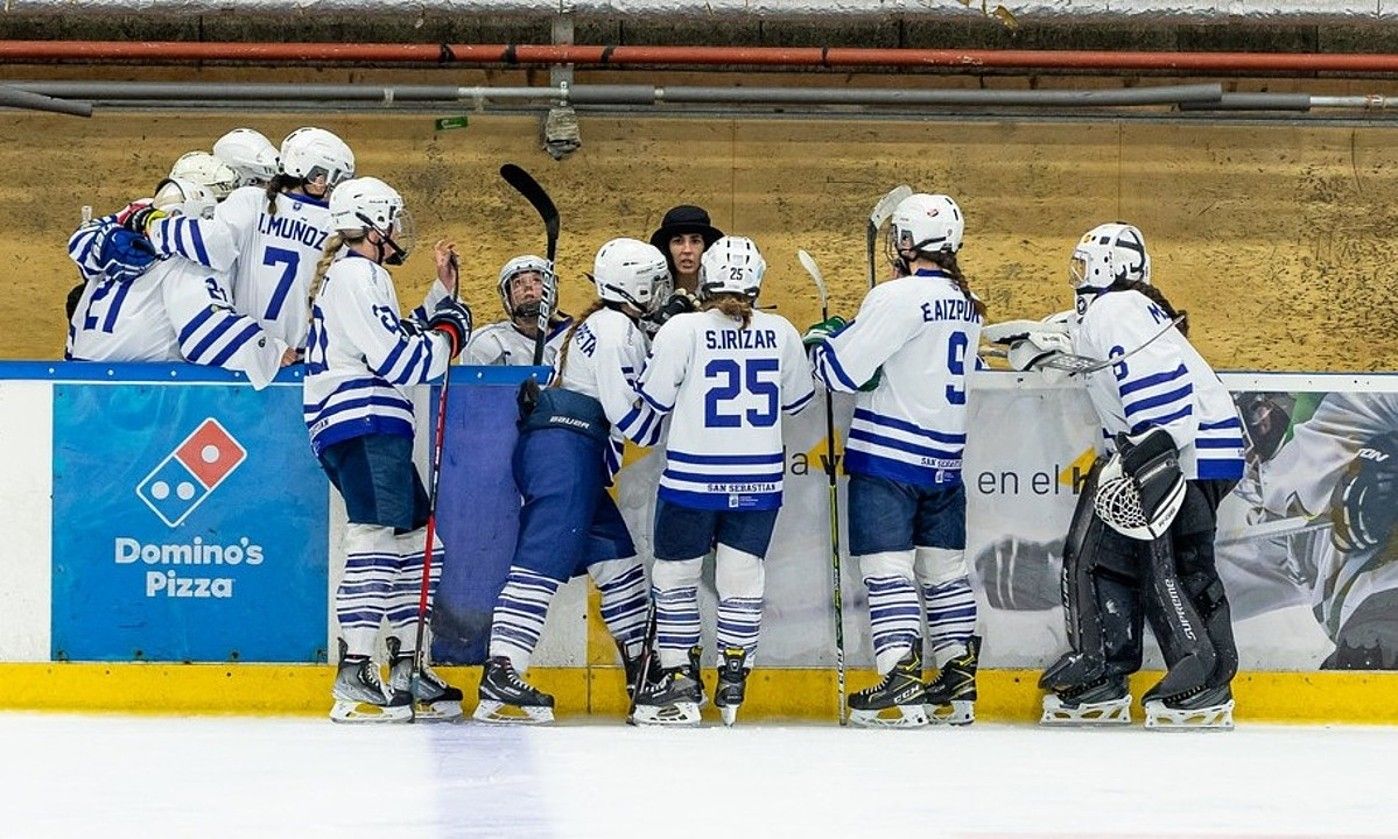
{"x":1277,"y":238}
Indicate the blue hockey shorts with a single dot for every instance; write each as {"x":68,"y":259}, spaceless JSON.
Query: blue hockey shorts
{"x":687,"y":532}
{"x":886,"y":515}
{"x":568,"y":520}
{"x":376,"y":477}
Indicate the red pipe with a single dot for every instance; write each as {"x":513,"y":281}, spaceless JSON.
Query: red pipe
{"x":843,"y":57}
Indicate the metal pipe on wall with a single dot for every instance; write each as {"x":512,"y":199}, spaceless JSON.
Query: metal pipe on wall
{"x":677,"y":56}
{"x":621,"y":94}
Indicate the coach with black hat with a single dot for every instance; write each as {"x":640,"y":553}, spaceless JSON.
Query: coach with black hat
{"x":683,"y":235}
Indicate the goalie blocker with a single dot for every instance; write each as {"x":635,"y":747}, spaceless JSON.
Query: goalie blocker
{"x":1140,"y":547}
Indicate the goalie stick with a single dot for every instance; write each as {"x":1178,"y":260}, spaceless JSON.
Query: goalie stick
{"x":419,"y":657}
{"x":525,"y":185}
{"x":814,"y":270}
{"x":880,"y":214}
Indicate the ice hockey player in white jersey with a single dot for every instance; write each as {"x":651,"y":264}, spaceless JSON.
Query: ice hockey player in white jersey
{"x":511,"y":341}
{"x":1145,"y":522}
{"x":570,"y":444}
{"x":251,"y":156}
{"x":269,"y":239}
{"x":725,"y":375}
{"x":360,"y":360}
{"x":905,"y":356}
{"x":136,"y":307}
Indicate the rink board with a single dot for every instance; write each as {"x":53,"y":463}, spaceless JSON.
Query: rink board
{"x":123,"y":474}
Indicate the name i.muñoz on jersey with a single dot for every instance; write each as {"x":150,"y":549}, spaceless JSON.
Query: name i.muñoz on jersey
{"x":920,"y":332}
{"x":271,"y":258}
{"x":607,"y":353}
{"x":175,"y":311}
{"x":1165,"y":384}
{"x":727,"y":387}
{"x":361,"y":358}
{"x":503,"y":344}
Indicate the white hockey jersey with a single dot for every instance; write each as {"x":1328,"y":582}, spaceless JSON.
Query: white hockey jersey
{"x":271,"y":258}
{"x":606,"y":356}
{"x":922,"y":331}
{"x":1166,"y":384}
{"x":727,"y":387}
{"x":175,"y":311}
{"x":361,"y":357}
{"x":503,"y":344}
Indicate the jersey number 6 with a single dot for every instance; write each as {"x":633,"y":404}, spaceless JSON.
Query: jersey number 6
{"x":737,"y":377}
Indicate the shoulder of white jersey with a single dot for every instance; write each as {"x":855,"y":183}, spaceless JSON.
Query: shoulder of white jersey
{"x":356,"y":271}
{"x":1114,"y":304}
{"x":491,"y":331}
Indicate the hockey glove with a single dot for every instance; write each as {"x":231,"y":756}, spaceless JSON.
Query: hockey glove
{"x":452,"y":318}
{"x":1364,"y":504}
{"x":124,"y":256}
{"x":821,"y":332}
{"x":140,"y":220}
{"x":677,"y":304}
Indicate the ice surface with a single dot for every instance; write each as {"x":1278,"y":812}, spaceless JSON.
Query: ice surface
{"x":109,"y":776}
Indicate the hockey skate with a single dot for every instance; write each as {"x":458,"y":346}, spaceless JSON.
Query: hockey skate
{"x":951,"y":697}
{"x":671,"y":699}
{"x":360,"y":696}
{"x":1106,"y":701}
{"x":895,"y":702}
{"x":732,"y":684}
{"x":1210,"y":708}
{"x":696,"y":654}
{"x":506,"y":698}
{"x":433,"y":700}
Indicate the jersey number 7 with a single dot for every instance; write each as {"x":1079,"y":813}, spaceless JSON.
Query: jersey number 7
{"x":292,"y":260}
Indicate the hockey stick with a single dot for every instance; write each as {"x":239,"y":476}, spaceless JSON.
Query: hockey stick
{"x":880,"y":214}
{"x":525,"y":185}
{"x":647,"y":645}
{"x":1082,"y":364}
{"x":814,"y":270}
{"x":1275,"y":529}
{"x":439,"y":437}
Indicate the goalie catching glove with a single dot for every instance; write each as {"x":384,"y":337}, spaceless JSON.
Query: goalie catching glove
{"x":1030,"y":342}
{"x":1141,"y":488}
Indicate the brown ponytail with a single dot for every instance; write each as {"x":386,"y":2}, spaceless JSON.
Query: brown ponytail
{"x":1157,"y":297}
{"x":280,"y":183}
{"x":597,"y":306}
{"x":947,"y":262}
{"x":734,"y":305}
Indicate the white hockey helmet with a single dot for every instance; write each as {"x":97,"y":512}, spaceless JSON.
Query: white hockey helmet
{"x":521,"y":265}
{"x":182,"y":197}
{"x":925,"y":223}
{"x":363,"y":204}
{"x":203,"y":168}
{"x":1106,"y":254}
{"x":250,"y":155}
{"x":732,"y":264}
{"x":308,"y":153}
{"x":628,"y":271}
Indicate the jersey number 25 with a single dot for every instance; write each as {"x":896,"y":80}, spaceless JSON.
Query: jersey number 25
{"x":755,"y":376}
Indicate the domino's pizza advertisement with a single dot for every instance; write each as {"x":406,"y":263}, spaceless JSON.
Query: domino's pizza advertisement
{"x":201,"y":538}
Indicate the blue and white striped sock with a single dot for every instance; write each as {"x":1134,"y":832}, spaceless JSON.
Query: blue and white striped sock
{"x":407,"y":587}
{"x":519,"y":615}
{"x":739,"y":622}
{"x":951,"y":617}
{"x":676,"y":592}
{"x":895,"y":619}
{"x":622,"y":584}
{"x":371,"y":565}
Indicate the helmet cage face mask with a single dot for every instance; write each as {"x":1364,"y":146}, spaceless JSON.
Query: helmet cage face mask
{"x":400,"y":234}
{"x":517,"y":267}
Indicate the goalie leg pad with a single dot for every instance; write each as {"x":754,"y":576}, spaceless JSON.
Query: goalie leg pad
{"x":1179,"y":628}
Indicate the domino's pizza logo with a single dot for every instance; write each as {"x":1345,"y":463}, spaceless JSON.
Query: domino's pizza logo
{"x":190,"y":473}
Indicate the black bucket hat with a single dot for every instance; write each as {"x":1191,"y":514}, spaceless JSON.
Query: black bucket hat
{"x":685,"y":218}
